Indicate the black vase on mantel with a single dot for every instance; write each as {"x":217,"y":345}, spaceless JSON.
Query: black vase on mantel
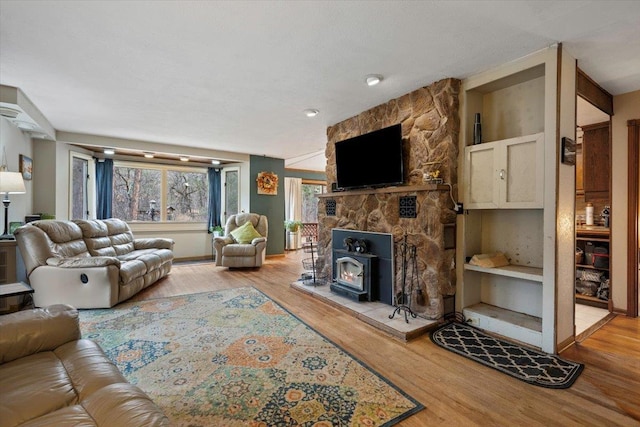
{"x":477,"y":130}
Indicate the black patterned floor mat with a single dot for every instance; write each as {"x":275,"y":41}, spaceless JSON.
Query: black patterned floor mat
{"x":528,"y":365}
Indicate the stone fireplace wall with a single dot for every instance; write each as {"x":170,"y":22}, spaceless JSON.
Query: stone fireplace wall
{"x":430,"y":128}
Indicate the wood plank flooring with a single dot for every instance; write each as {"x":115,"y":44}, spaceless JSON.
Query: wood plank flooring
{"x":455,"y":391}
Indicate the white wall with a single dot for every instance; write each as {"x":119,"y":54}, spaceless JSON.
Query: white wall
{"x":15,"y":142}
{"x":625,"y":107}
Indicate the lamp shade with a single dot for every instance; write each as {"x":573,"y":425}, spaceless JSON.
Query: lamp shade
{"x":11,"y":183}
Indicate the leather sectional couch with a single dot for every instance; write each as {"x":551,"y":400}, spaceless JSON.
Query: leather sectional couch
{"x":90,"y":263}
{"x":49,"y":376}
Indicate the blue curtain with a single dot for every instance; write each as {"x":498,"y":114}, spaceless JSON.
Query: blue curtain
{"x":214,"y":176}
{"x":104,"y":187}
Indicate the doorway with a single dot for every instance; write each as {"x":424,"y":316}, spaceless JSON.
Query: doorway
{"x":593,"y":277}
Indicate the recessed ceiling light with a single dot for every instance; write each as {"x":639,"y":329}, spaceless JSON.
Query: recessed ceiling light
{"x":311,"y":112}
{"x":148,"y":155}
{"x":184,"y":158}
{"x":109,"y":151}
{"x":373,"y":79}
{"x":215,"y":162}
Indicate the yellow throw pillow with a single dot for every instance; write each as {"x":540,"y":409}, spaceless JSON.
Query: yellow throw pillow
{"x":245,"y":233}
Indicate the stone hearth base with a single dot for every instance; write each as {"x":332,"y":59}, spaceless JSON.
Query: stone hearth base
{"x":374,"y":313}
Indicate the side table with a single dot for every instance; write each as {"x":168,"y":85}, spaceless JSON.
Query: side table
{"x":12,"y":290}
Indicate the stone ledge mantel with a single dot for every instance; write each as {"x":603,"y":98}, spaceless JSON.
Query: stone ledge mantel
{"x":398,"y":189}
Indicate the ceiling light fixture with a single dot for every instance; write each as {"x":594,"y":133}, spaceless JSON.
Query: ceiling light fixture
{"x":311,"y":112}
{"x":215,"y":162}
{"x":148,"y":155}
{"x":109,"y":151}
{"x":373,"y":79}
{"x":184,"y":159}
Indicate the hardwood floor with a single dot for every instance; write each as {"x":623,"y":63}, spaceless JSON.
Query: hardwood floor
{"x":454,"y":390}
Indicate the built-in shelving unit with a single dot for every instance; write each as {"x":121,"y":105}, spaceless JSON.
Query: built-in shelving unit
{"x":508,"y":195}
{"x":596,"y":238}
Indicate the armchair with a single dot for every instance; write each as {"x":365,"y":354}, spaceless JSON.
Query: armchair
{"x":241,"y":246}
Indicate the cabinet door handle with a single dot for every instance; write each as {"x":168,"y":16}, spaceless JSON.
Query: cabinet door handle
{"x":502,"y":173}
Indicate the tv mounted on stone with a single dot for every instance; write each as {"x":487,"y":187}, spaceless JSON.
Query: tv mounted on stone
{"x":374,"y":159}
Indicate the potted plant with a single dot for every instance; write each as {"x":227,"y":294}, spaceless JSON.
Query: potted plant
{"x":293,"y":233}
{"x":216,"y":230}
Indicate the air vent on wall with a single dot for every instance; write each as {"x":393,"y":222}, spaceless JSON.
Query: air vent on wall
{"x":8,"y":112}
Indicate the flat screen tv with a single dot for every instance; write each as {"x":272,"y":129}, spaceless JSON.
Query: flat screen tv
{"x":371,"y":160}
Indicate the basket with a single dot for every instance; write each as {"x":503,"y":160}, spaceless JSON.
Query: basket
{"x":312,"y":264}
{"x":579,"y":256}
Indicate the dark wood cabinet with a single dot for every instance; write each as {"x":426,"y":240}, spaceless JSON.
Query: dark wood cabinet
{"x":596,"y":156}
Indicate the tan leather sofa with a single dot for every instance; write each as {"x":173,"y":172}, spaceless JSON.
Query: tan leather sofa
{"x":90,"y":263}
{"x":230,"y":253}
{"x":49,"y":376}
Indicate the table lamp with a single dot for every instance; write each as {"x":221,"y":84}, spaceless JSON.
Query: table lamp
{"x":10,"y":183}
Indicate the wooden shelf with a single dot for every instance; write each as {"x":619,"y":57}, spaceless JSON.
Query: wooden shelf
{"x":592,"y":301}
{"x":399,"y":189}
{"x":516,"y":271}
{"x":591,"y":267}
{"x":519,"y":326}
{"x":599,"y":234}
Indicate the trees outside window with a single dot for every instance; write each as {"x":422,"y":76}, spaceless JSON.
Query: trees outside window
{"x":187,"y":195}
{"x":310,"y":201}
{"x":138,"y":193}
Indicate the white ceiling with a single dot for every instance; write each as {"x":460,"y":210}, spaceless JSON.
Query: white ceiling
{"x":236,"y":75}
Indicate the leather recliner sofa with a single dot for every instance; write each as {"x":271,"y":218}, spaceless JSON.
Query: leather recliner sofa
{"x":90,"y":263}
{"x":49,"y":376}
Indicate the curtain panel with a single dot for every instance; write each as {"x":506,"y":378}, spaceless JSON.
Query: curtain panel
{"x":104,"y":188}
{"x":214,"y":176}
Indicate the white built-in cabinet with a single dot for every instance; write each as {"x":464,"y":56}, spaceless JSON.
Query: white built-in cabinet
{"x":509,"y":200}
{"x":505,"y":174}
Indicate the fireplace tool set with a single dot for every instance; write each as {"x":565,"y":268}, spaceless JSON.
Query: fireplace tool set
{"x":403,"y":298}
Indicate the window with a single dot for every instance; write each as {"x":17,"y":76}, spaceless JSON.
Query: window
{"x":81,"y":187}
{"x":187,"y":196}
{"x":310,"y":192}
{"x":230,"y":193}
{"x":159,"y":193}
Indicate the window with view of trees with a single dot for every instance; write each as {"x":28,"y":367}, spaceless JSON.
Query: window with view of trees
{"x":138,"y":193}
{"x":187,"y":195}
{"x":310,"y":202}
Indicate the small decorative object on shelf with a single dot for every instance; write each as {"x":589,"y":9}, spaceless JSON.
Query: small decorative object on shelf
{"x":589,"y":213}
{"x":432,"y":175}
{"x":606,"y":213}
{"x":477,"y":130}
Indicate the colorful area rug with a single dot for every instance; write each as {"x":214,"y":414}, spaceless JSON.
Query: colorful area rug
{"x":236,"y":358}
{"x":528,"y":365}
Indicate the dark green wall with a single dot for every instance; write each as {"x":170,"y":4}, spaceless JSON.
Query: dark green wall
{"x":271,"y":206}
